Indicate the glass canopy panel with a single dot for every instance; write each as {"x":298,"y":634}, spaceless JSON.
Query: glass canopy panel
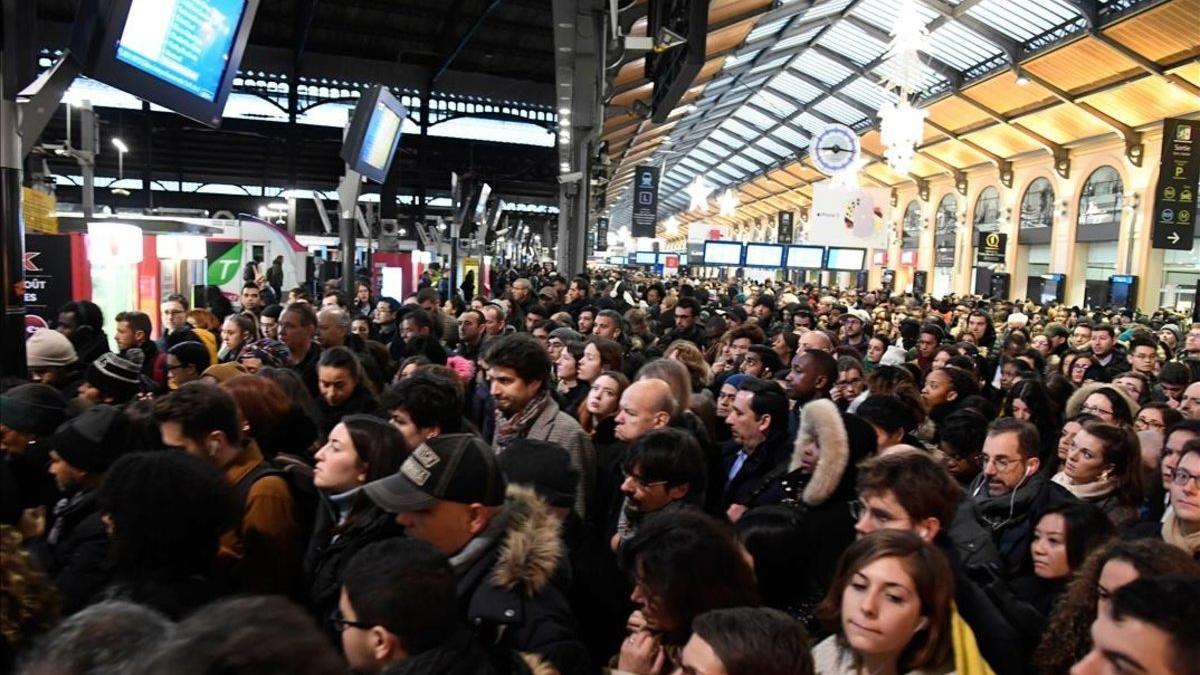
{"x":840,"y":110}
{"x":791,"y":86}
{"x":820,"y":67}
{"x":1022,"y":19}
{"x":754,"y":118}
{"x":852,"y":42}
{"x":774,"y":103}
{"x":960,"y":47}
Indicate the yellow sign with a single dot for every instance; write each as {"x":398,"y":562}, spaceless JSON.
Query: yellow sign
{"x":39,"y":208}
{"x":993,"y":240}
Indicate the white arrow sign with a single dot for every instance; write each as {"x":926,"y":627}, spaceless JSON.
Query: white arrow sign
{"x":1174,"y":238}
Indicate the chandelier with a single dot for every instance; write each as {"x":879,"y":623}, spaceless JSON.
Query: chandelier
{"x":901,"y":124}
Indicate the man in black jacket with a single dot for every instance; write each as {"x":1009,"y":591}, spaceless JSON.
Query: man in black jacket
{"x":506,"y":552}
{"x":687,"y":314}
{"x":758,"y":420}
{"x":75,"y":548}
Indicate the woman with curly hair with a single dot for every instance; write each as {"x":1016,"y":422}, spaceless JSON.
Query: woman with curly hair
{"x":28,"y":602}
{"x":1068,"y":634}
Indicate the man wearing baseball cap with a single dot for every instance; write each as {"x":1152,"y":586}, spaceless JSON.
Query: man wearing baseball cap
{"x":451,"y":493}
{"x":854,"y":332}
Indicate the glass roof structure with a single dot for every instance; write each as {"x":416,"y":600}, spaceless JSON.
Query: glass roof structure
{"x":808,"y":63}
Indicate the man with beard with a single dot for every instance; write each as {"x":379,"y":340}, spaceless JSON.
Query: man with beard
{"x":853,"y":326}
{"x":664,"y":470}
{"x":519,"y":372}
{"x":1010,"y":494}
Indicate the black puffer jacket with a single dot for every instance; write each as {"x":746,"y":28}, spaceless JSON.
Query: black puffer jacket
{"x":326,"y":557}
{"x":361,"y":402}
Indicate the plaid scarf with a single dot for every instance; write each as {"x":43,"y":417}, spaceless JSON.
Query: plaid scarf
{"x":509,"y":430}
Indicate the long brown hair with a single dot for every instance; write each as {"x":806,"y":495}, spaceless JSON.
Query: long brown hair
{"x":585,"y":416}
{"x":1122,"y":451}
{"x":929,"y":647}
{"x":1068,"y":635}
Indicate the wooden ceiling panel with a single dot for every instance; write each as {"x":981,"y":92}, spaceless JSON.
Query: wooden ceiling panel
{"x":956,"y":154}
{"x":1147,"y":100}
{"x":627,"y":98}
{"x":1064,"y":123}
{"x":955,"y":114}
{"x":870,"y":142}
{"x":923,"y":166}
{"x":1002,"y":93}
{"x":724,"y":10}
{"x":781,"y":177}
{"x":884,"y":173}
{"x":630,"y":72}
{"x":1189,"y":72}
{"x":1003,"y":141}
{"x":729,"y":37}
{"x":1161,"y":34}
{"x":755,"y":191}
{"x":1081,"y":65}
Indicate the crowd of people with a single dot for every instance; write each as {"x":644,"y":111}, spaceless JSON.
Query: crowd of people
{"x":606,"y":472}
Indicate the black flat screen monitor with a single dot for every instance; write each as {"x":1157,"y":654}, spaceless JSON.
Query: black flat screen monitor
{"x":180,"y":54}
{"x":845,"y":259}
{"x":645,"y":258}
{"x":764,"y":255}
{"x":722,"y":253}
{"x":805,"y":257}
{"x":374,"y":134}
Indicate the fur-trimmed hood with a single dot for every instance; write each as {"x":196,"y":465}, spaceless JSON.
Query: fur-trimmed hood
{"x":1075,"y":403}
{"x":821,"y":421}
{"x":531,"y":549}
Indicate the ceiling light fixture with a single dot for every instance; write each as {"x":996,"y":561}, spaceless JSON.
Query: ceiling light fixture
{"x":901,"y":125}
{"x":728,"y":201}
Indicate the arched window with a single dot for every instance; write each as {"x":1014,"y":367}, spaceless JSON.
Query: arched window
{"x":1037,"y":206}
{"x":947,"y":216}
{"x":1100,"y":201}
{"x":910,"y":229}
{"x":945,"y":226}
{"x":987,"y":210}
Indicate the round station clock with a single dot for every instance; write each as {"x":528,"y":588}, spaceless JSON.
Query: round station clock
{"x":835,"y":148}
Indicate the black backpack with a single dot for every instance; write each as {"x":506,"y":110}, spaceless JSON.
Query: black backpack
{"x":298,"y":475}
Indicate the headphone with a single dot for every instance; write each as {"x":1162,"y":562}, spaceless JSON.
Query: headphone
{"x":921,"y":625}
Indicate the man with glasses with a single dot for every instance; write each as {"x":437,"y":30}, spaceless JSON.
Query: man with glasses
{"x":664,"y":470}
{"x":174,"y":318}
{"x":384,"y":587}
{"x":687,"y":310}
{"x":850,"y":382}
{"x":1010,"y":493}
{"x":1143,"y":358}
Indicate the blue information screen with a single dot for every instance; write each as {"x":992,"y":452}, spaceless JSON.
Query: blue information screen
{"x":185,"y":43}
{"x":380,"y":137}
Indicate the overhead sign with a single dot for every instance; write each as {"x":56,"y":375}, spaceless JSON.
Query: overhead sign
{"x":847,"y":216}
{"x":785,"y":230}
{"x":990,"y":247}
{"x":1175,"y":198}
{"x":601,"y":234}
{"x":645,"y":201}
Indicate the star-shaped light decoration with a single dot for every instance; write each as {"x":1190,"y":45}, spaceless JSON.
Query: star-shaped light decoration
{"x":671,"y":225}
{"x":699,"y":191}
{"x":728,"y":201}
